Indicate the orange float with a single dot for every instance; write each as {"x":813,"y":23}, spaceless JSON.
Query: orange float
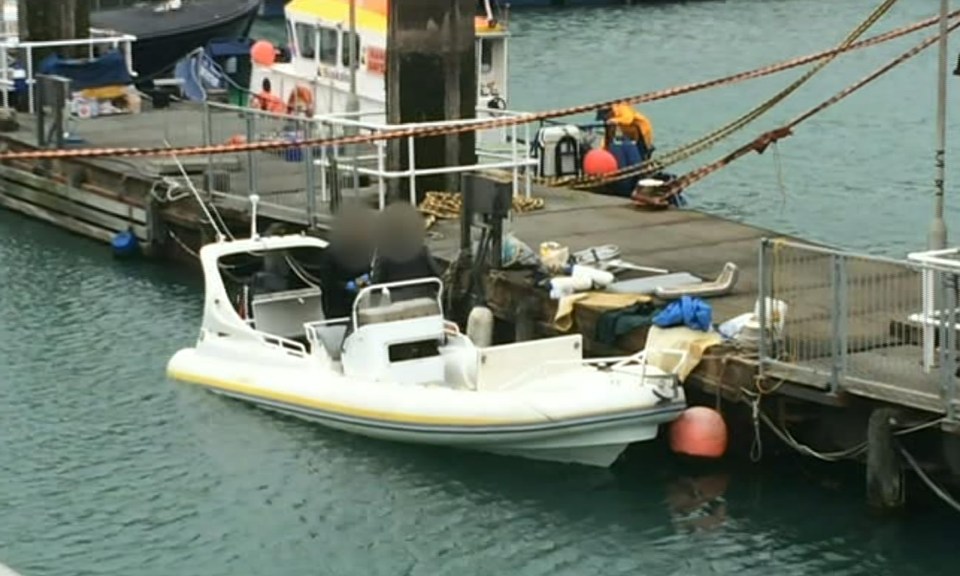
{"x":699,"y":432}
{"x":262,"y":53}
{"x":599,"y":161}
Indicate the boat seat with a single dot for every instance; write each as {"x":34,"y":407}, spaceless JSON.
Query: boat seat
{"x":401,"y":310}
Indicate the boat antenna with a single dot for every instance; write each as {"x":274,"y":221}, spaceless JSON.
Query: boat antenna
{"x":196,"y":193}
{"x":254,"y":200}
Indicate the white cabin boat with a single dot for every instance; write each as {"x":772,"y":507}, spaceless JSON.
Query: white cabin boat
{"x":319,"y":40}
{"x":397,"y":370}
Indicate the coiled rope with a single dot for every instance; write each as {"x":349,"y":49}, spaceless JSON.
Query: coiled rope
{"x":273,"y":145}
{"x":760,"y":143}
{"x":653,"y":166}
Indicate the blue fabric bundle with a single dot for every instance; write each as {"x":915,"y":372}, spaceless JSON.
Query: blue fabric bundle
{"x":688,"y":311}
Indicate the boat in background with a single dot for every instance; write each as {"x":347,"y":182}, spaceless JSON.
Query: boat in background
{"x":319,"y":68}
{"x":168,"y":32}
{"x":273,"y":9}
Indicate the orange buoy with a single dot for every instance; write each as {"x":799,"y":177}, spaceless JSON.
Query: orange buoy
{"x":262,"y":53}
{"x":599,"y":161}
{"x":700,"y":432}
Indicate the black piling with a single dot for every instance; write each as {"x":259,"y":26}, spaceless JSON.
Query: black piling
{"x":431,"y":77}
{"x":885,"y":479}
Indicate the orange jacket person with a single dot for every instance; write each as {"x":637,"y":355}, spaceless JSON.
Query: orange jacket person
{"x":633,"y":124}
{"x":267,"y":101}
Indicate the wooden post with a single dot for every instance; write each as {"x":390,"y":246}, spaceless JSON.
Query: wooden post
{"x":40,"y":20}
{"x":431,"y":76}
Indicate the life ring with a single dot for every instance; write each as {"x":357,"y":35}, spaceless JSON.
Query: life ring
{"x":300,"y":100}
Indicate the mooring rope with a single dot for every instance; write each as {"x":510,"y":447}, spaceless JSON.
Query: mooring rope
{"x":703,"y":143}
{"x":273,"y":145}
{"x":760,"y":143}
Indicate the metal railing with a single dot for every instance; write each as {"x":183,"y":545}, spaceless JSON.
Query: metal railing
{"x":497,"y":149}
{"x":859,"y":323}
{"x":300,"y":184}
{"x":24,"y":51}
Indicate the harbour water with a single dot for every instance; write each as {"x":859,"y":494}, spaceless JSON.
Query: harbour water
{"x":108,"y":468}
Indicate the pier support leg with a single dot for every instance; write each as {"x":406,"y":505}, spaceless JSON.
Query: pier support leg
{"x":885,"y":486}
{"x":430,"y":78}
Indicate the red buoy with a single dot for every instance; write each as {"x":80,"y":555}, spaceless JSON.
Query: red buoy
{"x":599,"y":161}
{"x":263,"y":53}
{"x":700,"y":432}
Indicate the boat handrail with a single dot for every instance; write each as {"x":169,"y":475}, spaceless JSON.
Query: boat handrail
{"x":385,"y":287}
{"x":616,"y":363}
{"x":292,"y":347}
{"x":310,"y":328}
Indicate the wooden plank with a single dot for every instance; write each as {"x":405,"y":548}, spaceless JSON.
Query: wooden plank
{"x":92,"y":199}
{"x":60,"y":221}
{"x":72,"y":209}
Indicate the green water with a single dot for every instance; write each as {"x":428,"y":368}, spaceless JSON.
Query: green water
{"x":107,"y":468}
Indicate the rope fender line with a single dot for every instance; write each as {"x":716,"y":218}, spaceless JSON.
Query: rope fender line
{"x":273,"y":145}
{"x":709,"y":140}
{"x":760,"y":143}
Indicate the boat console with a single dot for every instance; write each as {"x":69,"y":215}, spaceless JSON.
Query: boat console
{"x":397,"y":340}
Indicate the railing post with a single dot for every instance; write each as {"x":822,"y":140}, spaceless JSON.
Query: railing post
{"x":947,"y":296}
{"x":251,"y":159}
{"x":381,"y":183}
{"x":207,"y":141}
{"x":412,"y":168}
{"x":928,"y":316}
{"x":527,"y":175}
{"x":310,"y":180}
{"x":762,"y":288}
{"x":324,"y":187}
{"x":838,"y":317}
{"x":7,"y":77}
{"x":31,"y":97}
{"x":513,"y":158}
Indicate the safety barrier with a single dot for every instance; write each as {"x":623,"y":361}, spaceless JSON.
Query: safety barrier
{"x":498,"y":148}
{"x":300,"y":183}
{"x":12,"y":49}
{"x":859,"y":323}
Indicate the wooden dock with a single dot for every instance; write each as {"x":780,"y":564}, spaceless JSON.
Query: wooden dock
{"x":97,"y":198}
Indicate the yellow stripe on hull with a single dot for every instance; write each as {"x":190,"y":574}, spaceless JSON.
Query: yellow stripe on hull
{"x":303,"y":402}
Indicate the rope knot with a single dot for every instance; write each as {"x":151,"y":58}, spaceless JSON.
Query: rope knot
{"x":760,"y":144}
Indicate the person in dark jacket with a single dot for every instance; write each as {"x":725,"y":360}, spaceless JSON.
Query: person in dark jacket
{"x":402,"y":253}
{"x":345,"y":265}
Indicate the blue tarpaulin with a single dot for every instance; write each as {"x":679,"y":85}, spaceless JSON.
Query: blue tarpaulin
{"x":108,"y":70}
{"x":688,"y":311}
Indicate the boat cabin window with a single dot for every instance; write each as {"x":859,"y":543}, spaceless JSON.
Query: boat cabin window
{"x":328,"y":45}
{"x":292,"y":37}
{"x":346,"y":50}
{"x":486,"y":56}
{"x":306,"y":40}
